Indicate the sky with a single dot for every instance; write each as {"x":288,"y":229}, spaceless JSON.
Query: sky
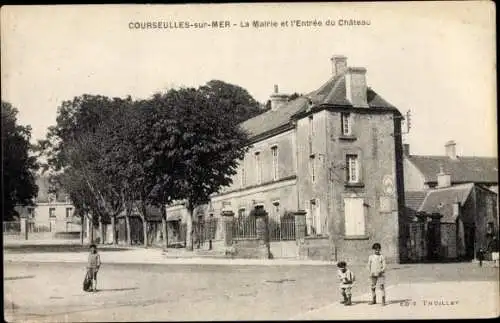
{"x":436,"y":59}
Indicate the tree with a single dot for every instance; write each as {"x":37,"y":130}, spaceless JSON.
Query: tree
{"x":76,"y":146}
{"x":204,"y":144}
{"x":244,"y":106}
{"x":18,"y":166}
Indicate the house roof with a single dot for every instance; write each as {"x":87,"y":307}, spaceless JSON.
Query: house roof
{"x":441,"y":200}
{"x":414,"y":199}
{"x":462,"y":169}
{"x":331,"y":93}
{"x":44,"y":186}
{"x":273,"y":119}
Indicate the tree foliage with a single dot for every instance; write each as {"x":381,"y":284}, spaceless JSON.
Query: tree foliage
{"x":18,"y":165}
{"x":244,"y":106}
{"x":183,"y":144}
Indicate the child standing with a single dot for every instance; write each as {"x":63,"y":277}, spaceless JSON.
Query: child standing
{"x":376,"y":268}
{"x":93,"y":266}
{"x":346,"y":278}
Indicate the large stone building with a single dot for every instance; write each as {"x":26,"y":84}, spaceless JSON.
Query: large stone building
{"x":52,"y":211}
{"x":335,"y":153}
{"x":421,"y":171}
{"x":451,"y":204}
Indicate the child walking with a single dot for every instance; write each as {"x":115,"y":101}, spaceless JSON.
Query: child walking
{"x":93,"y":266}
{"x":376,"y":268}
{"x":346,"y":278}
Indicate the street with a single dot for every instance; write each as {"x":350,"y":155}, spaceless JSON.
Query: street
{"x":45,"y":292}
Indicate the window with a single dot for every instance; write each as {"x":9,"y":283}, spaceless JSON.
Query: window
{"x":258,"y":167}
{"x":352,"y":169}
{"x":312,"y":171}
{"x":313,"y":218}
{"x":311,"y":134}
{"x":346,"y":124}
{"x":241,"y":212}
{"x":311,"y":126}
{"x":243,"y":174}
{"x":52,"y":212}
{"x":31,"y":212}
{"x":69,"y":212}
{"x":274,"y":151}
{"x":276,"y":210}
{"x":354,"y":216}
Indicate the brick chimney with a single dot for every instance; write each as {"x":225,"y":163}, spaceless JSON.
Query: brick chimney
{"x":451,"y":149}
{"x":339,"y":64}
{"x":443,"y":179}
{"x":355,"y":82}
{"x":406,"y":149}
{"x":278,"y":100}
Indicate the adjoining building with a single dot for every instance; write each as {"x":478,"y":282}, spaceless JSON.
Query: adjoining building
{"x":451,"y":205}
{"x":51,"y":214}
{"x":335,"y":153}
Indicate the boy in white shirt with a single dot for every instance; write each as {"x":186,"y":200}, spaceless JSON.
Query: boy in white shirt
{"x":346,"y":278}
{"x":376,"y":268}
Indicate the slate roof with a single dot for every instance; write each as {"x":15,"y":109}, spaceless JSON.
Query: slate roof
{"x":270,"y":119}
{"x":441,"y":200}
{"x":462,"y":170}
{"x":332,"y":93}
{"x":42,"y":181}
{"x":414,"y":199}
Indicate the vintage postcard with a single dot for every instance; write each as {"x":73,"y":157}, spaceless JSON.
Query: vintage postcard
{"x":277,"y":161}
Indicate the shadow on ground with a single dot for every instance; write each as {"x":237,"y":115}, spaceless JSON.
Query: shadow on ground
{"x":34,"y":248}
{"x":389,"y":302}
{"x":116,"y":289}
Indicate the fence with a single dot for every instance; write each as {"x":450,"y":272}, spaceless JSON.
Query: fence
{"x":11,"y":228}
{"x":42,"y":230}
{"x":284,"y":230}
{"x":279,"y":230}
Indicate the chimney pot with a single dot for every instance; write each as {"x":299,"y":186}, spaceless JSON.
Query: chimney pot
{"x":339,"y":64}
{"x":443,"y":178}
{"x":355,"y":81}
{"x":278,"y":99}
{"x":451,"y":149}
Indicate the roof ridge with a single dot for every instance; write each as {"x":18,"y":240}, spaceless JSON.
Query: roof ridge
{"x":423,"y":201}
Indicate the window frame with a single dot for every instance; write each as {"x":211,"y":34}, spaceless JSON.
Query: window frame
{"x":345,"y":121}
{"x":243,"y":175}
{"x":275,"y":162}
{"x":52,"y":212}
{"x":352,"y":157}
{"x":312,"y":169}
{"x":258,"y":166}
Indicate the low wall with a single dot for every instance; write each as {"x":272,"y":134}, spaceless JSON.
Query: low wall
{"x":249,"y":249}
{"x":316,"y":249}
{"x":284,"y":249}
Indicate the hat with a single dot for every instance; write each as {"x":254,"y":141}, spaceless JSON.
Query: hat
{"x":341,"y":264}
{"x":376,"y":246}
{"x":92,"y":246}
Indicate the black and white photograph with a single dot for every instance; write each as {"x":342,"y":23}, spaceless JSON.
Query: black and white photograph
{"x":249,"y":161}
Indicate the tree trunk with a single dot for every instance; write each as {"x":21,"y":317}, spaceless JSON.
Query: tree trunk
{"x":91,"y":233}
{"x":189,"y":229}
{"x":113,"y":229}
{"x":145,"y":230}
{"x":82,"y":228}
{"x":164,"y":227}
{"x":127,"y":225}
{"x":101,"y":231}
